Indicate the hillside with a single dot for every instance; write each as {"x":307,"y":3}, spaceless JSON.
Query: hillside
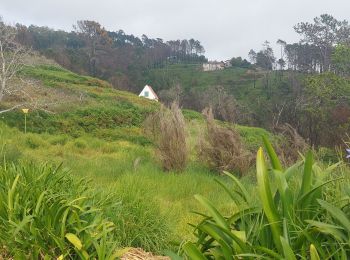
{"x":264,"y":98}
{"x":97,"y":133}
{"x":247,"y":162}
{"x":240,"y":84}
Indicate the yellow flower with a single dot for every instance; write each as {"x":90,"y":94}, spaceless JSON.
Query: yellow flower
{"x":25,"y":110}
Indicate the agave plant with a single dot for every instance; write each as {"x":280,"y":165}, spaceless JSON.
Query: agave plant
{"x":292,"y":220}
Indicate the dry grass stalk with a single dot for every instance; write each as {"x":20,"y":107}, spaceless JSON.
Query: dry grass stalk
{"x":222,"y":148}
{"x":167,"y":129}
{"x":292,"y":144}
{"x":139,"y":254}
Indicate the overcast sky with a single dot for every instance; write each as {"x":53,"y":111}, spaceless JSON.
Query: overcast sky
{"x":226,"y":28}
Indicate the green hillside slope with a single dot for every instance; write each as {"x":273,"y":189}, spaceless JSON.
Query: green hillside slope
{"x":96,"y":132}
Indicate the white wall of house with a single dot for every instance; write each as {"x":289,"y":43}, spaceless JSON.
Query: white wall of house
{"x":148,"y":92}
{"x":211,"y":66}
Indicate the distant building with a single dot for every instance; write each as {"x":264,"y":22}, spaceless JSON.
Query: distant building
{"x":213,"y":65}
{"x":227,"y":63}
{"x":149,"y":93}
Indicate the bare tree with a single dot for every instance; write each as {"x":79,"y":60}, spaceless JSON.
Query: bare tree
{"x":18,"y":92}
{"x":12,"y":56}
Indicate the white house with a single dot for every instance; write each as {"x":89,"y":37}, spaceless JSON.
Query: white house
{"x":213,"y":65}
{"x":149,"y":93}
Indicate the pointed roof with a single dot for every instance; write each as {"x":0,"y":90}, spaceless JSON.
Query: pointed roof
{"x":151,"y":89}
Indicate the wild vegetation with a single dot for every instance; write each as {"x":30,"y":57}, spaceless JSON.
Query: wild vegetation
{"x":222,"y":149}
{"x":304,"y":75}
{"x":88,"y":171}
{"x":302,"y":213}
{"x":167,"y":128}
{"x":96,"y":133}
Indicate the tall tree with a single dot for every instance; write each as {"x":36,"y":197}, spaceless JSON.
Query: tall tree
{"x":341,"y":59}
{"x":281,"y":62}
{"x":324,"y":32}
{"x":252,"y":56}
{"x":95,"y":36}
{"x":265,"y":58}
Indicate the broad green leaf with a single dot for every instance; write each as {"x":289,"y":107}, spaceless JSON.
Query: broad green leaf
{"x":74,"y":240}
{"x":172,"y":255}
{"x":306,"y":198}
{"x":292,"y":170}
{"x":192,"y":251}
{"x":244,"y":192}
{"x":232,"y":194}
{"x":285,"y":193}
{"x":337,"y":214}
{"x":38,"y":204}
{"x":10,"y":197}
{"x":287,"y":250}
{"x":221,"y":238}
{"x":328,"y":229}
{"x":213,"y":211}
{"x":85,"y":254}
{"x":275,"y":162}
{"x":267,"y":200}
{"x":313,"y":253}
{"x":244,"y":213}
{"x":307,"y":175}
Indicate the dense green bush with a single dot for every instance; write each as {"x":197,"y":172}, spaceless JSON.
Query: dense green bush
{"x":54,"y":75}
{"x":303,"y":213}
{"x":103,"y":122}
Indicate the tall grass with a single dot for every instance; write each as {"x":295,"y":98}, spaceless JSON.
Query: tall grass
{"x":303,"y":213}
{"x":45,"y":214}
{"x":222,"y":148}
{"x":167,"y":128}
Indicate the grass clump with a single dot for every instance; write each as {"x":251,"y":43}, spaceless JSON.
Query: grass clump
{"x":222,"y":148}
{"x":45,"y":214}
{"x":167,"y":128}
{"x":139,"y":221}
{"x":33,"y":141}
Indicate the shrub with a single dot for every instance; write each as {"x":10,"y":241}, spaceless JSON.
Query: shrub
{"x":167,"y":129}
{"x":80,"y":143}
{"x":45,"y":214}
{"x":222,"y":148}
{"x":303,"y":214}
{"x":59,"y":140}
{"x":33,"y":141}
